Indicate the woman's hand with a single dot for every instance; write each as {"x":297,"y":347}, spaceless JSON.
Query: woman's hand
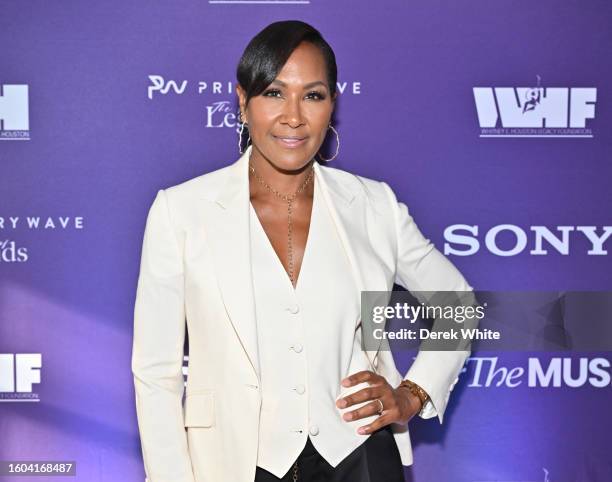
{"x":399,"y":404}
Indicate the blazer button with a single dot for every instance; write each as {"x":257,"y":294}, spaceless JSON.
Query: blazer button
{"x":300,"y":389}
{"x":297,"y":348}
{"x":293,"y":309}
{"x":313,"y":430}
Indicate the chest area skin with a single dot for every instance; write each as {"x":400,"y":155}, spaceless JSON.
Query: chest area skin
{"x":286,"y":226}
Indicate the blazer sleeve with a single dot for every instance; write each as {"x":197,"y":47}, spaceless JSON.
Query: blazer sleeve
{"x":421,"y":267}
{"x":157,"y":351}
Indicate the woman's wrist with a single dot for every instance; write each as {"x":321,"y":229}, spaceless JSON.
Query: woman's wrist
{"x":417,"y":391}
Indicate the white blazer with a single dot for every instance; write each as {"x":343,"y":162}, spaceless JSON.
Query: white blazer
{"x":195,"y":266}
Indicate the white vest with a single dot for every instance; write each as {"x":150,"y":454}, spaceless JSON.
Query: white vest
{"x":298,"y":400}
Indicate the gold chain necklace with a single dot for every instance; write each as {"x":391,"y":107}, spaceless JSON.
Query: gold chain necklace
{"x":289,"y":200}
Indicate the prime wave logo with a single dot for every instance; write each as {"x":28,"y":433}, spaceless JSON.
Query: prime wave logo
{"x":220,"y":110}
{"x":535,"y":111}
{"x":161,"y":86}
{"x":14,"y":112}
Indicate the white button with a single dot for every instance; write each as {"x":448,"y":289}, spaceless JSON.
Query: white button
{"x":300,"y":389}
{"x":293,"y":309}
{"x":313,"y":430}
{"x":297,"y":348}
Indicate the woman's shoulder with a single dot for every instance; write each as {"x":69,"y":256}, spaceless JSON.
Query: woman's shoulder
{"x":375,"y":190}
{"x":206,"y":185}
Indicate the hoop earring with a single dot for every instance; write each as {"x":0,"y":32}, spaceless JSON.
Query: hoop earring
{"x":337,"y":146}
{"x":242,"y":124}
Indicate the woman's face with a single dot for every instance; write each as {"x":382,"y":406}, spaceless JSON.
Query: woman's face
{"x":288,"y":121}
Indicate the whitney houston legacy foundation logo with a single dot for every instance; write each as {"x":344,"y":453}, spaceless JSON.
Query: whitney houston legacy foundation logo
{"x":535,"y":111}
{"x":14,"y":112}
{"x":18,"y":373}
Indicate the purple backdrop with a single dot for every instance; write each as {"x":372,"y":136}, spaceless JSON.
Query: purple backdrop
{"x":104,"y":103}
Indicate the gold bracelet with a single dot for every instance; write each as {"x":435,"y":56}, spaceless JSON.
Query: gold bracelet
{"x":417,"y":391}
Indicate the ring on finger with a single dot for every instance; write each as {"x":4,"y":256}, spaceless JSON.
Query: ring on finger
{"x":382,"y":407}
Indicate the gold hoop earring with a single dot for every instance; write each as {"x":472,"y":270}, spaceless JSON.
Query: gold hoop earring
{"x":337,"y":146}
{"x":242,"y":124}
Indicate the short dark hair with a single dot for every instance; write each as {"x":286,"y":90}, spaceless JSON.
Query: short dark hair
{"x":267,"y":52}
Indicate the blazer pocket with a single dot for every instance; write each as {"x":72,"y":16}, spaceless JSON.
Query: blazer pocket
{"x":200,"y":409}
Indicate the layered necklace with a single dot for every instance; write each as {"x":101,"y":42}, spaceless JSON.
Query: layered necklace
{"x":289,"y":200}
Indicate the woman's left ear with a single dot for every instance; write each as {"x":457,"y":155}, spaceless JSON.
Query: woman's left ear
{"x":240,"y":93}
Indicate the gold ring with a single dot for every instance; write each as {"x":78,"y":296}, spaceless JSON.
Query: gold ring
{"x":382,"y":407}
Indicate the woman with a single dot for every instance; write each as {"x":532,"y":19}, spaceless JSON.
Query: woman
{"x":266,"y":260}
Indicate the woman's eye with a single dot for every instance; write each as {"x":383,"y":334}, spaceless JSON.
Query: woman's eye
{"x":271,"y":93}
{"x":316,"y":95}
{"x":311,"y":95}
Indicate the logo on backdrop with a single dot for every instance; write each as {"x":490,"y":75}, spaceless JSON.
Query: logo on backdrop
{"x":545,"y":479}
{"x":512,"y":240}
{"x":255,"y":3}
{"x":14,"y":112}
{"x":556,"y":372}
{"x":535,"y":111}
{"x":221,"y":108}
{"x":12,"y":252}
{"x":18,"y":374}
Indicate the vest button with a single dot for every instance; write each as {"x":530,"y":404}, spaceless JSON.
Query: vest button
{"x":300,"y":389}
{"x":297,"y":348}
{"x":293,"y":309}
{"x":313,"y":430}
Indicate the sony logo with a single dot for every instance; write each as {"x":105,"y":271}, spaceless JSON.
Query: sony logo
{"x":462,"y":239}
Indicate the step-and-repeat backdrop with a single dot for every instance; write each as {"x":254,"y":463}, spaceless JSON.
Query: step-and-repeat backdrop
{"x":490,"y":120}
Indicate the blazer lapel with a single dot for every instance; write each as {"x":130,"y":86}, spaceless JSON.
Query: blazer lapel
{"x":229,"y":240}
{"x":350,"y":213}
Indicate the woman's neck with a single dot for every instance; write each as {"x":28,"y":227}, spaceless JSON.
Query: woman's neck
{"x":284,"y":181}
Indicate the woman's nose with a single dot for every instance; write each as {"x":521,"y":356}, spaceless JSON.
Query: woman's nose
{"x":292,"y":112}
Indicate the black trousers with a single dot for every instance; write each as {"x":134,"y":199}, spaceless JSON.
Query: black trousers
{"x":376,"y":460}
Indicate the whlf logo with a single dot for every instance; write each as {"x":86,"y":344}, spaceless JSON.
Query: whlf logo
{"x":14,"y":113}
{"x":535,"y":111}
{"x":17,"y":375}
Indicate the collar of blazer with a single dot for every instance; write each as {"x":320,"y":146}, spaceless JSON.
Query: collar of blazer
{"x":227,"y":233}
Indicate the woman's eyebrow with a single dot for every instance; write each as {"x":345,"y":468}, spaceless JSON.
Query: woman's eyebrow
{"x":307,"y":86}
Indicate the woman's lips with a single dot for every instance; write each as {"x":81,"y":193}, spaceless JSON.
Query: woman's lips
{"x":290,"y":142}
